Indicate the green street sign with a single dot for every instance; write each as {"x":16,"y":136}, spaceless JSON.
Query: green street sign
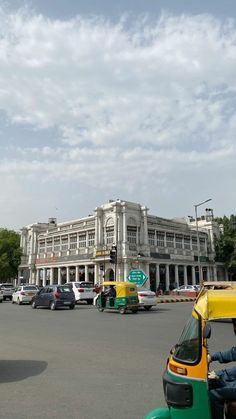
{"x":137,"y":276}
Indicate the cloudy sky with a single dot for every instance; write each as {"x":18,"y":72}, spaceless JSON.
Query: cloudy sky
{"x":102,"y":100}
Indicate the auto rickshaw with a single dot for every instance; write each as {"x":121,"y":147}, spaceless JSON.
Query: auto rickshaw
{"x":185,"y":379}
{"x":126,"y":297}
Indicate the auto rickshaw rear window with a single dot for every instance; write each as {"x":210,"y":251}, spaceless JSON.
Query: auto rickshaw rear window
{"x":188,"y":349}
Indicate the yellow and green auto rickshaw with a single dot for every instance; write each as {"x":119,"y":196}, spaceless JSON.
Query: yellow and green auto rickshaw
{"x":124,"y":296}
{"x":185,"y":380}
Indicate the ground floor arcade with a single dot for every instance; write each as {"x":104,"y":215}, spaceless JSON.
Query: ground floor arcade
{"x":161,"y":276}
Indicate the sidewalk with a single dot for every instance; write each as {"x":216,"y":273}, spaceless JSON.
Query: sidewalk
{"x":174,"y":299}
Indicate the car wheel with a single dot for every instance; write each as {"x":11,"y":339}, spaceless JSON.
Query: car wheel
{"x":0,"y":301}
{"x":135,"y":310}
{"x":53,"y":305}
{"x":122,"y":310}
{"x":147,"y":308}
{"x":12,"y":301}
{"x":18,"y":301}
{"x":72,"y":306}
{"x":33,"y":304}
{"x":90,"y":301}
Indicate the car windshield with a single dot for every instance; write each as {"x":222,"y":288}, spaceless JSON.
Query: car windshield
{"x":7,"y":286}
{"x":84,"y":285}
{"x":30,"y":288}
{"x":188,"y":349}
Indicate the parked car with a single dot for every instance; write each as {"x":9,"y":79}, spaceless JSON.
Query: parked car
{"x":24,"y":294}
{"x":147,"y":298}
{"x":54,"y":296}
{"x":83,"y":290}
{"x":185,"y":289}
{"x":7,"y":291}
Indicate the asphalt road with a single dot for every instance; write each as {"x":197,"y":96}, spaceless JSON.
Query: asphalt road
{"x":83,"y":364}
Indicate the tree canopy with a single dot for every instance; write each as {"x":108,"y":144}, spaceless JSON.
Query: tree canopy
{"x":10,"y":254}
{"x":226,"y":244}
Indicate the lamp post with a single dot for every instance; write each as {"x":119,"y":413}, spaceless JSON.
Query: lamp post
{"x":198,"y":242}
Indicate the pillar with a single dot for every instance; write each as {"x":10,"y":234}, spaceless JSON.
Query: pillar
{"x":59,"y":276}
{"x":185,"y":275}
{"x":44,"y":277}
{"x":77,"y":273}
{"x":67,"y":274}
{"x":167,"y":277}
{"x":51,"y":276}
{"x":193,"y":275}
{"x":86,"y":272}
{"x":177,"y":276}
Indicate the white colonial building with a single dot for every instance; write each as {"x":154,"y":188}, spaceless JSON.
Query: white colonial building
{"x":166,"y":250}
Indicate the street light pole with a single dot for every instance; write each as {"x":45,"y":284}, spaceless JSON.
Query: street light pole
{"x":198,"y":241}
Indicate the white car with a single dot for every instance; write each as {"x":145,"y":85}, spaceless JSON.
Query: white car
{"x":8,"y":290}
{"x":24,"y":294}
{"x":83,"y":290}
{"x":186,"y":289}
{"x":147,"y":298}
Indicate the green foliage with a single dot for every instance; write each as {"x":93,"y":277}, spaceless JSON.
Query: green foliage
{"x":226,"y":244}
{"x":10,"y":254}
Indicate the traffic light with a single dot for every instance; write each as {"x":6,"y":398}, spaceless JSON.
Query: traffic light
{"x":113,"y":255}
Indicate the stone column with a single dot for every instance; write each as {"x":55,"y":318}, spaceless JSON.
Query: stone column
{"x":193,"y":275}
{"x":124,"y":225}
{"x":59,"y":276}
{"x":177,"y":276}
{"x":157,"y":275}
{"x":215,"y":273}
{"x":145,"y":226}
{"x":167,"y":277}
{"x":51,"y":276}
{"x":44,"y":277}
{"x":86,"y":272}
{"x":77,"y":273}
{"x":37,"y":277}
{"x":96,"y":274}
{"x":67,"y":274}
{"x":185,"y":275}
{"x":125,"y":270}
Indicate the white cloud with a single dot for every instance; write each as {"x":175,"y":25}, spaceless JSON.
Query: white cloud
{"x":148,"y":101}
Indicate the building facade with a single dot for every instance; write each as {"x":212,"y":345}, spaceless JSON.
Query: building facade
{"x":168,"y":251}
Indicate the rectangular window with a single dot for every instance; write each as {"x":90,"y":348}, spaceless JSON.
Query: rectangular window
{"x":42,"y":246}
{"x":151,"y":237}
{"x":91,"y":239}
{"x":170,"y":240}
{"x":160,"y":239}
{"x":57,"y":244}
{"x":194,"y":243}
{"x":82,"y":241}
{"x":110,"y":235}
{"x":179,"y":241}
{"x":202,"y":245}
{"x":73,"y":241}
{"x":49,"y":245}
{"x":187,"y":242}
{"x":64,"y":243}
{"x":132,"y":235}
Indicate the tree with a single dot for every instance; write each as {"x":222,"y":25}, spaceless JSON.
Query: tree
{"x":10,"y":254}
{"x":226,"y":244}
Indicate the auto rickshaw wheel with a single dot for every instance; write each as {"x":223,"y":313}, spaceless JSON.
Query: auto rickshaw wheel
{"x":122,"y":310}
{"x":100,"y":309}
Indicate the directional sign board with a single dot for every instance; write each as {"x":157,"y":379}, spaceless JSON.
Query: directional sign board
{"x":137,"y":276}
